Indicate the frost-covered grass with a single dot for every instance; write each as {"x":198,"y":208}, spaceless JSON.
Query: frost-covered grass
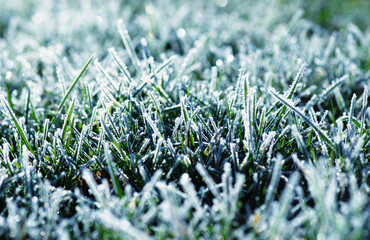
{"x":184,"y":119}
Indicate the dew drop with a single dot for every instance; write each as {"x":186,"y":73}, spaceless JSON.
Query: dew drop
{"x":219,"y":63}
{"x":181,"y":33}
{"x":221,"y":3}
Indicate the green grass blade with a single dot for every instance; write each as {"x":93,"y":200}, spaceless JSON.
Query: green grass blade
{"x":363,"y":110}
{"x":121,"y":65}
{"x":112,"y":172}
{"x":19,"y":128}
{"x":67,"y":120}
{"x":323,"y":136}
{"x":128,"y":44}
{"x":9,"y":96}
{"x":322,"y":96}
{"x":296,"y":80}
{"x":114,"y":140}
{"x":71,"y":87}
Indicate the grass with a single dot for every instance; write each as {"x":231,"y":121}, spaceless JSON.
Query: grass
{"x":197,"y":120}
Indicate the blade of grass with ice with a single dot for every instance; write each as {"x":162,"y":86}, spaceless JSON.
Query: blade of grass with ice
{"x":363,"y":110}
{"x":111,"y":169}
{"x":122,"y":66}
{"x":296,"y":110}
{"x":18,"y":126}
{"x":319,"y":99}
{"x":71,"y":88}
{"x":128,"y":44}
{"x":68,"y":119}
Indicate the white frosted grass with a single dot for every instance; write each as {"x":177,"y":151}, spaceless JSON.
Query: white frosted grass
{"x":26,"y":170}
{"x":208,"y":180}
{"x":19,"y":128}
{"x":189,"y":189}
{"x":314,"y":120}
{"x":351,"y":111}
{"x":166,"y":64}
{"x":7,"y":159}
{"x":363,"y":109}
{"x":61,"y":80}
{"x":80,"y":142}
{"x":157,"y":151}
{"x":213,"y":79}
{"x":274,"y":181}
{"x":278,"y":224}
{"x":267,"y":139}
{"x":297,"y":79}
{"x":119,"y":225}
{"x":299,"y":139}
{"x":351,"y":45}
{"x":93,"y":187}
{"x":270,"y":151}
{"x":128,"y":44}
{"x":108,"y":80}
{"x":122,"y":66}
{"x":330,"y":221}
{"x":284,"y":40}
{"x":285,"y":130}
{"x":290,"y":105}
{"x":340,"y":100}
{"x":357,"y":148}
{"x":325,"y":93}
{"x":329,"y":48}
{"x":230,"y":197}
{"x":152,"y":125}
{"x":248,"y":96}
{"x":186,"y":63}
{"x":147,"y":194}
{"x":144,"y":145}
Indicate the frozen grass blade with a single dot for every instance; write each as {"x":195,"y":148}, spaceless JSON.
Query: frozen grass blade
{"x":128,"y":44}
{"x":9,"y":96}
{"x":71,"y":88}
{"x":296,"y":81}
{"x":291,"y":92}
{"x":319,"y":99}
{"x":112,"y":172}
{"x":166,"y":64}
{"x":363,"y":110}
{"x":17,"y":125}
{"x":174,"y":153}
{"x":67,"y":120}
{"x":122,"y":66}
{"x":297,"y":111}
{"x":114,"y":140}
{"x":105,"y":74}
{"x":351,"y":111}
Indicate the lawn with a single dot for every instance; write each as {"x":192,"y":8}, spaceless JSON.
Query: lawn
{"x":199,"y":119}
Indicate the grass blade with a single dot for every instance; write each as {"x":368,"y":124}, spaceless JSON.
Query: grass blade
{"x":286,"y":103}
{"x":17,"y":125}
{"x":71,"y":87}
{"x":68,"y":119}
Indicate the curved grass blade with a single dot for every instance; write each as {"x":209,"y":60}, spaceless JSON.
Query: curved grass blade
{"x":71,"y":87}
{"x":323,"y":136}
{"x":19,"y":128}
{"x":322,"y":96}
{"x":9,"y":95}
